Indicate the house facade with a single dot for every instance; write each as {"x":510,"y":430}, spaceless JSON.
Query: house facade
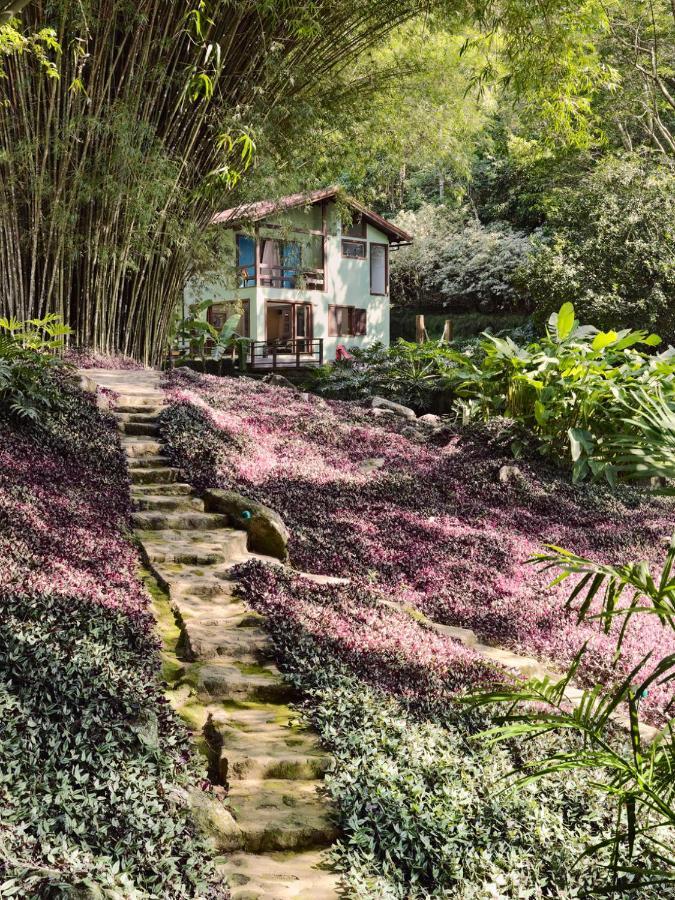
{"x":309,"y":272}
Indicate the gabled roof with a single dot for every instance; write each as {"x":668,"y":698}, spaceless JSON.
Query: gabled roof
{"x":254,"y":212}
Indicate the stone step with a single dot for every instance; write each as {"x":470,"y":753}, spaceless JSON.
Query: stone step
{"x":225,"y":611}
{"x":151,"y":416}
{"x":176,"y":489}
{"x":225,"y":680}
{"x":158,"y":476}
{"x":168,"y":503}
{"x":280,"y":815}
{"x":279,"y":876}
{"x":121,"y":409}
{"x":144,"y":399}
{"x":201,"y":548}
{"x":210,"y":640}
{"x":135,"y":447}
{"x":151,"y":462}
{"x":263,"y":741}
{"x":139,"y":428}
{"x":153,"y":520}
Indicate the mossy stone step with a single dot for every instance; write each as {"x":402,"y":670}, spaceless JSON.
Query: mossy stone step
{"x":139,"y":428}
{"x":259,"y":742}
{"x":141,"y":446}
{"x":169,"y":503}
{"x":280,"y":815}
{"x":198,"y":548}
{"x":224,"y":680}
{"x":126,"y":409}
{"x":279,"y":876}
{"x":152,"y":462}
{"x":152,"y":520}
{"x":161,"y":475}
{"x":175,"y":489}
{"x":142,"y":414}
{"x":212,"y":639}
{"x":226,"y":611}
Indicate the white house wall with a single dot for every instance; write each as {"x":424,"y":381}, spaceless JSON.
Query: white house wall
{"x":347,"y":284}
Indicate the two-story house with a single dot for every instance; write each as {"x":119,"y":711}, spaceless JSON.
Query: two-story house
{"x":304,"y":281}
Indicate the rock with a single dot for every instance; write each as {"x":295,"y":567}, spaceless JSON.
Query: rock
{"x":146,"y":729}
{"x":412,"y":434}
{"x":214,"y":821}
{"x":279,"y":381}
{"x":371,"y":465}
{"x":430,"y":419}
{"x":404,"y":411}
{"x":508,"y":474}
{"x":267,"y":533}
{"x":381,"y":413}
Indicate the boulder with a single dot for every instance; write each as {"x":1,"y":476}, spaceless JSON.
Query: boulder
{"x":381,"y":413}
{"x":413,"y":434}
{"x":214,"y":822}
{"x":404,"y":411}
{"x":508,"y":474}
{"x":277,"y":380}
{"x":430,"y":419}
{"x":267,"y":533}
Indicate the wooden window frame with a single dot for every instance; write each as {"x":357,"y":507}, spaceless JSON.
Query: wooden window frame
{"x":351,"y":317}
{"x":358,"y":243}
{"x":384,"y":293}
{"x":351,"y":231}
{"x":239,"y":235}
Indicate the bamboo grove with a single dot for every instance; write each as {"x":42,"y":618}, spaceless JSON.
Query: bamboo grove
{"x":113,"y":159}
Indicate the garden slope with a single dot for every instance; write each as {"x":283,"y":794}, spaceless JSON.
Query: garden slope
{"x":428,"y":526}
{"x":93,"y":764}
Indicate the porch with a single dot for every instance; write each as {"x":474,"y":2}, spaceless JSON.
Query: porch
{"x":295,"y":353}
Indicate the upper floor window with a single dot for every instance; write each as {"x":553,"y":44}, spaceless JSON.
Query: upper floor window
{"x":279,"y":263}
{"x":379,"y":269}
{"x":357,"y":229}
{"x":246,"y":260}
{"x":354,"y":249}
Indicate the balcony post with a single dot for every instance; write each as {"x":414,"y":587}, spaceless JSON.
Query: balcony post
{"x":274,"y":357}
{"x":320,"y":351}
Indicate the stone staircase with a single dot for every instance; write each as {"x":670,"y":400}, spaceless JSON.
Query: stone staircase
{"x":273,"y":827}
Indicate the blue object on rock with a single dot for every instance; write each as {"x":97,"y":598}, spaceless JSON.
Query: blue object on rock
{"x":247,"y":514}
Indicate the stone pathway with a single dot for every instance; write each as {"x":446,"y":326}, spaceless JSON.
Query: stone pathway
{"x":274,"y":826}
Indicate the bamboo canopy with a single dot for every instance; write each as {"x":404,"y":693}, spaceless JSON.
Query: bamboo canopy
{"x":110,"y":172}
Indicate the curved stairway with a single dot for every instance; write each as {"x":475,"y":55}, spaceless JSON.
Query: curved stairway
{"x":274,"y":826}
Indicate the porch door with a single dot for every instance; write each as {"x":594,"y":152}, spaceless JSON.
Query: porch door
{"x":304,"y":327}
{"x":280,"y":324}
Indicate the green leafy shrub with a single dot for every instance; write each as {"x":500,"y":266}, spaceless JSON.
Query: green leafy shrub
{"x":28,"y":351}
{"x":570,"y":388}
{"x":407,"y":372}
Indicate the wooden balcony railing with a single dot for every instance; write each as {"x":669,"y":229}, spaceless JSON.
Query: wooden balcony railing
{"x":289,"y":277}
{"x":293,"y":353}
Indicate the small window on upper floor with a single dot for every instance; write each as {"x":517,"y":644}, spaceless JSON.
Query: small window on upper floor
{"x":354,"y":249}
{"x":357,"y":228}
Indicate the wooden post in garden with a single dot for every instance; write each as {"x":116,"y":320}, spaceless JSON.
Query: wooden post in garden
{"x":420,"y":331}
{"x":448,"y":332}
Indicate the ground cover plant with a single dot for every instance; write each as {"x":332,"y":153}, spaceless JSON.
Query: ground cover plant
{"x":94,"y":766}
{"x":427,"y":525}
{"x":419,"y":797}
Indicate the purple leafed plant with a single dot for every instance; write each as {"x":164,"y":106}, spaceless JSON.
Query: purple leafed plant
{"x":433,"y":527}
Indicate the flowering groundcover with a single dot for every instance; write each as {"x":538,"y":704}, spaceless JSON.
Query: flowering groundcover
{"x":427,"y":525}
{"x":93,"y":763}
